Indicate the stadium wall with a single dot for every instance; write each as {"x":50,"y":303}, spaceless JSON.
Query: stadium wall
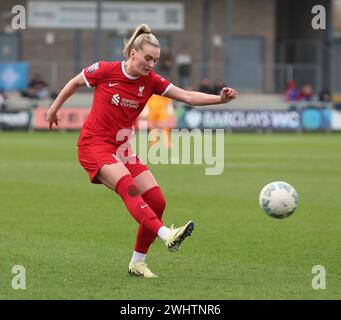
{"x":308,"y":119}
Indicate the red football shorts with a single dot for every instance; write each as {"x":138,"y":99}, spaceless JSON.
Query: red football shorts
{"x":92,"y":157}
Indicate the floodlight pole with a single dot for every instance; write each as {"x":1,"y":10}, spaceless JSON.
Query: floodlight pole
{"x":206,"y":44}
{"x":98,"y":30}
{"x":77,"y":50}
{"x":328,"y":46}
{"x":228,"y":39}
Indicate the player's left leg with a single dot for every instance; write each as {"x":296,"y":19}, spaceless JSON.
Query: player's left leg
{"x":151,"y":193}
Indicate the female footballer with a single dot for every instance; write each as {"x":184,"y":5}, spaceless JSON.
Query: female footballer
{"x":122,"y":88}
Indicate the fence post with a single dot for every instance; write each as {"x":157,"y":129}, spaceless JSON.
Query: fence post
{"x":54,"y":76}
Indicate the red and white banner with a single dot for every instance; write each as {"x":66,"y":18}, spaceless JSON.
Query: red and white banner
{"x":70,"y":118}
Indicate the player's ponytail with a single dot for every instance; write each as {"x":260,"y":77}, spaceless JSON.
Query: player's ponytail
{"x":142,"y":35}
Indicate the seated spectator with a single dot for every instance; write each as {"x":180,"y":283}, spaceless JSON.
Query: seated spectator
{"x":218,"y":86}
{"x":307,"y":93}
{"x":37,"y":88}
{"x":183,"y":61}
{"x":54,"y":93}
{"x":325,"y":95}
{"x":166,"y":63}
{"x":205,"y":86}
{"x":3,"y":98}
{"x":292,"y":93}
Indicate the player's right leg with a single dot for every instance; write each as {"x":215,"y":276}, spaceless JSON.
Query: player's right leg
{"x":117,"y":177}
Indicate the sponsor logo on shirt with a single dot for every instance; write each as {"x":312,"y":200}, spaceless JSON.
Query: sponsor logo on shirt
{"x":115,"y":99}
{"x":112,"y":84}
{"x":124,"y":102}
{"x":129,"y":103}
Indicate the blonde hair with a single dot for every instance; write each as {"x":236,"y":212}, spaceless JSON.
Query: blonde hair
{"x":141,"y":36}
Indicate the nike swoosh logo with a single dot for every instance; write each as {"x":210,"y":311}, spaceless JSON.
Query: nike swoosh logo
{"x":112,"y":84}
{"x":146,"y":205}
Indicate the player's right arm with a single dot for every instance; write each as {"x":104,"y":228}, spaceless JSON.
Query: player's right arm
{"x":65,"y":93}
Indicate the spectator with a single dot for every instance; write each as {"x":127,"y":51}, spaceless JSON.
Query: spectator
{"x":325,"y":95}
{"x":3,"y":98}
{"x":205,"y":86}
{"x":37,"y":88}
{"x":292,"y":93}
{"x":166,"y":62}
{"x":54,"y":94}
{"x":184,"y":66}
{"x":218,"y":86}
{"x":307,"y":93}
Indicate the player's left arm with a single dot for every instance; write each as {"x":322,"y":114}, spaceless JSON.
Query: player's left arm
{"x":195,"y":98}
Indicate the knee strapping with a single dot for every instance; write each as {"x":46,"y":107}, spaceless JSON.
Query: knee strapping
{"x":140,"y":210}
{"x":126,"y":186}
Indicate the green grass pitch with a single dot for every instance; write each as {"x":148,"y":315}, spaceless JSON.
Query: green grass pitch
{"x":75,"y":239}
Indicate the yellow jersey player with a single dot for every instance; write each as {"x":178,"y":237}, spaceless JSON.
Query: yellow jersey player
{"x":160,"y":111}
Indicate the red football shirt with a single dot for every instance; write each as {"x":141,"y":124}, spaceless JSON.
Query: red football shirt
{"x":118,"y":98}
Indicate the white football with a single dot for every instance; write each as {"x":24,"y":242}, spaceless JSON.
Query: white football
{"x":278,"y":199}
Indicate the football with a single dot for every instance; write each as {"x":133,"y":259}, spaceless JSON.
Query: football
{"x":278,"y":199}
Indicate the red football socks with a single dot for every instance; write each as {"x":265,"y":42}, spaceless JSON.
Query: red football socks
{"x":138,"y":208}
{"x":157,"y":203}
